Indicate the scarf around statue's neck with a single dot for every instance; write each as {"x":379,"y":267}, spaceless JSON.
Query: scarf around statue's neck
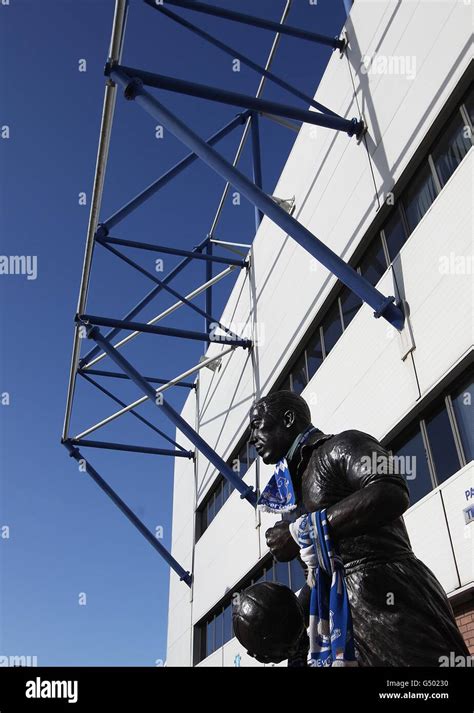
{"x":279,"y":493}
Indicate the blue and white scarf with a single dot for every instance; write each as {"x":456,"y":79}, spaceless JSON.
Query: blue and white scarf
{"x":331,"y":641}
{"x":279,"y":494}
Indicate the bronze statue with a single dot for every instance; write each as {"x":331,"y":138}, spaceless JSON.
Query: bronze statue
{"x":400,"y":613}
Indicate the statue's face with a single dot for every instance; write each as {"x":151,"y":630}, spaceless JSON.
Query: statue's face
{"x":271,"y":437}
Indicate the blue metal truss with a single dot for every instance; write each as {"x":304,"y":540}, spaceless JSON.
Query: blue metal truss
{"x":133,"y":82}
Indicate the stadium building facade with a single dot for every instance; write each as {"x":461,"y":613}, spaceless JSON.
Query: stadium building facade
{"x":397,"y":206}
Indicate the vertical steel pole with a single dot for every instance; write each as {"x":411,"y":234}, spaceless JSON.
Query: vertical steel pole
{"x":110,"y":94}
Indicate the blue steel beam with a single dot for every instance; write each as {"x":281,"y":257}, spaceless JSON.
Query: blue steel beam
{"x":165,"y":178}
{"x":246,"y":491}
{"x":169,"y":289}
{"x":235,"y":54}
{"x":382,"y":305}
{"x":144,"y":301}
{"x":75,"y":453}
{"x":256,"y":163}
{"x":132,"y":411}
{"x":130,"y":448}
{"x":209,"y":257}
{"x":333,"y":42}
{"x":117,"y":375}
{"x":166,"y":331}
{"x":209,"y":248}
{"x":224,"y":96}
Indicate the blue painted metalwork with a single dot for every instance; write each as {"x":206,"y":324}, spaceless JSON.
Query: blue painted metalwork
{"x":347,"y":6}
{"x":235,"y":54}
{"x":144,"y":302}
{"x":86,"y":443}
{"x":169,"y":289}
{"x":256,"y":163}
{"x":257,"y":22}
{"x":167,"y":331}
{"x":132,"y":411}
{"x":169,"y":176}
{"x":208,"y":292}
{"x":245,"y":490}
{"x":174,"y":251}
{"x":353,"y":127}
{"x":383,"y":306}
{"x":75,"y":453}
{"x":117,"y":375}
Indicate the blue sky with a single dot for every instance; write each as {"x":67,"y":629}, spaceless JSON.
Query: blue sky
{"x":66,"y":538}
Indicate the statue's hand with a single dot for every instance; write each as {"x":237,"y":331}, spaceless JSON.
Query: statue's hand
{"x":281,"y":544}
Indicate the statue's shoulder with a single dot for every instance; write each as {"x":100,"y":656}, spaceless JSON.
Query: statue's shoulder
{"x":350,"y":442}
{"x":353,"y":436}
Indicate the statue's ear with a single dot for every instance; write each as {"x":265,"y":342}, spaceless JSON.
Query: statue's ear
{"x":289,"y":418}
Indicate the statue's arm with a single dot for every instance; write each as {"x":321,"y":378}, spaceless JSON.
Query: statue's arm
{"x":366,"y":510}
{"x":379,"y":497}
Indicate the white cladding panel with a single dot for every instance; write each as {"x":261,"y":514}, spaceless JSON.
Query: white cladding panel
{"x":363,"y":384}
{"x":224,"y":551}
{"x":457,"y":495}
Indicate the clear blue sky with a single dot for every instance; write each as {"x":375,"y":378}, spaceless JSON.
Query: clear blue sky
{"x":66,"y":536}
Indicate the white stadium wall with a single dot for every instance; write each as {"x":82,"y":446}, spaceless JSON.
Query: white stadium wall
{"x":363,"y":383}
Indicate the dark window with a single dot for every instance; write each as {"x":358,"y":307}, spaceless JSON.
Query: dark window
{"x":218,"y":630}
{"x":226,"y":490}
{"x":332,"y":328}
{"x":415,"y":463}
{"x":299,"y":375}
{"x":451,"y":148}
{"x":228,"y":629}
{"x":202,"y":521}
{"x":243,"y":460}
{"x":282,"y":574}
{"x":210,"y":509}
{"x":269,"y":573}
{"x":210,"y":637}
{"x":286,"y":386}
{"x":314,"y":354}
{"x":395,"y":235}
{"x":350,"y":305}
{"x":218,"y":501}
{"x":442,"y":445}
{"x":419,"y":195}
{"x":297,"y":575}
{"x":469,"y":104}
{"x":462,"y":400}
{"x":373,"y":263}
{"x":252,"y":453}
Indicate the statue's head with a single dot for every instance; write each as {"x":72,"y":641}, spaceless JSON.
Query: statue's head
{"x":269,"y":622}
{"x":275,"y":421}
